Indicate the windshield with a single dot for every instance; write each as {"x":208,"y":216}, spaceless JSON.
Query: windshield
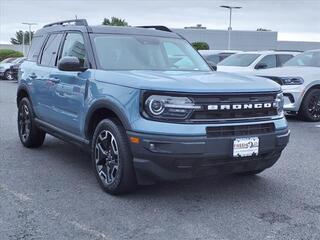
{"x":131,"y":52}
{"x":239,"y":60}
{"x":8,"y":60}
{"x":309,"y":59}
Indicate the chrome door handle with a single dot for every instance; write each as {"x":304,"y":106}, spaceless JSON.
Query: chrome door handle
{"x":33,"y":76}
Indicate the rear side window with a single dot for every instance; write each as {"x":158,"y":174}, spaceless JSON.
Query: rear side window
{"x":283,"y":58}
{"x":50,"y":50}
{"x":35,"y":48}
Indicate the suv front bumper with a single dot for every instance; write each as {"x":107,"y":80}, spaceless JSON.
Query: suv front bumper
{"x":159,"y":157}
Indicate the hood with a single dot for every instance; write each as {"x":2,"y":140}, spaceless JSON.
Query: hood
{"x":182,"y":81}
{"x":5,"y":65}
{"x":290,"y":71}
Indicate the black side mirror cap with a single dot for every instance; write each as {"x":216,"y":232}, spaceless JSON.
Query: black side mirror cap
{"x":212,"y":66}
{"x":71,"y":64}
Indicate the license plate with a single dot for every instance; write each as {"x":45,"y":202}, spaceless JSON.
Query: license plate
{"x":246,"y":147}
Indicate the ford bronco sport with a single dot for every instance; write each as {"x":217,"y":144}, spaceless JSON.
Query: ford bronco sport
{"x":146,"y":105}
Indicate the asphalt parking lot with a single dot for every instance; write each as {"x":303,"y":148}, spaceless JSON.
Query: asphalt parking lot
{"x":51,"y":193}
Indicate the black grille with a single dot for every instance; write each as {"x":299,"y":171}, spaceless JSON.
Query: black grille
{"x":206,"y":115}
{"x":242,"y":130}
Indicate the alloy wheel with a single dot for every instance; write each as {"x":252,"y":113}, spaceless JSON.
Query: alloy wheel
{"x":107,"y":157}
{"x":24,"y":122}
{"x":314,"y":106}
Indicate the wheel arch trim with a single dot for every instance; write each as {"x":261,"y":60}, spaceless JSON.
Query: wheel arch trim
{"x":106,"y":104}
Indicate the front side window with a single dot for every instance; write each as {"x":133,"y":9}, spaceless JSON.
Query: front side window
{"x":50,"y":50}
{"x":283,"y":58}
{"x":309,"y":59}
{"x":269,"y":61}
{"x":131,"y":52}
{"x":73,"y":46}
{"x":213,"y":58}
{"x":240,"y":60}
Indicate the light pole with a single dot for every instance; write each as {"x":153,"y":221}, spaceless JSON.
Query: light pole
{"x":230,"y":19}
{"x":29,"y":24}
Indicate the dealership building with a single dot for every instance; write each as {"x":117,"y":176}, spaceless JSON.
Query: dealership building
{"x":243,"y":40}
{"x":239,"y":40}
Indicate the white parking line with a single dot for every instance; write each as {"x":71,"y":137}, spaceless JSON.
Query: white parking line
{"x":318,"y":126}
{"x":22,"y":197}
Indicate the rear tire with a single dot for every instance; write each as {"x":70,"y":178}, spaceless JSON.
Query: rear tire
{"x":112,"y":158}
{"x":310,"y":106}
{"x":30,"y":135}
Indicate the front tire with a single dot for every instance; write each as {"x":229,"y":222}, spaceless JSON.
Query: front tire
{"x":8,"y":75}
{"x":310,"y":107}
{"x":112,"y":158}
{"x":30,"y":135}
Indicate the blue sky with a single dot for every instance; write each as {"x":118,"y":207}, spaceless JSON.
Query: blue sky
{"x":293,"y":19}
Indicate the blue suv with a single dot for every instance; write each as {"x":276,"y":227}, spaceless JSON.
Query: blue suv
{"x":145,"y":105}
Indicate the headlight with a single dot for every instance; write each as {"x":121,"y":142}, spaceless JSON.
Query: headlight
{"x":279,"y":103}
{"x":292,"y":80}
{"x":168,"y":107}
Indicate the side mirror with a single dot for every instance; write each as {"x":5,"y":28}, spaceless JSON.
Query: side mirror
{"x":212,"y":66}
{"x":70,"y":64}
{"x":261,"y":66}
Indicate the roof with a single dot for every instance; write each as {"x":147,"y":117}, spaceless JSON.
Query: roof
{"x":270,"y":52}
{"x":209,"y":52}
{"x":108,"y":30}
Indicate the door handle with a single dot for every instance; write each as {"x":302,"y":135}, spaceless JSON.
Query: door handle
{"x":54,"y":80}
{"x":33,"y":76}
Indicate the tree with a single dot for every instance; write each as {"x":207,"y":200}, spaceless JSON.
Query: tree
{"x":115,"y":22}
{"x":19,"y":37}
{"x":8,"y":53}
{"x":200,"y":45}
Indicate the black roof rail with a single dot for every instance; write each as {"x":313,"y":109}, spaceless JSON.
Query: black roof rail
{"x":157,"y":27}
{"x":77,"y":22}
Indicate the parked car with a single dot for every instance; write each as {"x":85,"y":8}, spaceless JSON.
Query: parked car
{"x":5,"y":65}
{"x":249,"y":62}
{"x":14,"y":69}
{"x":216,"y":56}
{"x":300,"y":80}
{"x":146,"y":105}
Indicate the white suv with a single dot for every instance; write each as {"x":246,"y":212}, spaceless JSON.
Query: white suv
{"x":300,"y":80}
{"x":250,"y":62}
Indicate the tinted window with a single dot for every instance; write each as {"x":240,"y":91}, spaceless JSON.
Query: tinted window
{"x":212,"y":58}
{"x":50,"y":50}
{"x":130,"y":52}
{"x":283,"y":58}
{"x":269,"y":61}
{"x":73,"y":46}
{"x":240,"y":60}
{"x":310,"y":59}
{"x":35,"y":48}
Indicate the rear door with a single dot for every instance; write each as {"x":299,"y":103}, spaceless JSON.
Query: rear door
{"x":70,"y":87}
{"x":41,"y":80}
